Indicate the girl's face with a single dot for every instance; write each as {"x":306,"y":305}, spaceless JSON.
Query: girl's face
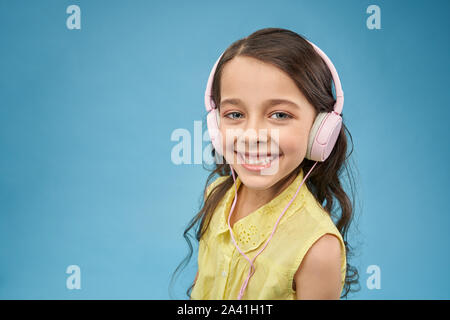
{"x":251,"y":94}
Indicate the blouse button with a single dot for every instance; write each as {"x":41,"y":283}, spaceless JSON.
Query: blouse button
{"x":223,"y":274}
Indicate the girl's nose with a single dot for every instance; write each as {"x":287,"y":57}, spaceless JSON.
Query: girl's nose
{"x":254,"y":124}
{"x":253,"y":141}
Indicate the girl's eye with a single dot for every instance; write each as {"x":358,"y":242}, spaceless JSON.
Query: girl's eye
{"x":232,"y":113}
{"x":285,"y":115}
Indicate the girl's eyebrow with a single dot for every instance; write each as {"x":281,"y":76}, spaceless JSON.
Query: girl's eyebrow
{"x":268,"y":103}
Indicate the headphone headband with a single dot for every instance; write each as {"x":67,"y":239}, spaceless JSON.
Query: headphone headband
{"x":209,"y":103}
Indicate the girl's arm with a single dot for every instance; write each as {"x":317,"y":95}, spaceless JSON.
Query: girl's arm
{"x":195,"y":280}
{"x":319,"y":276}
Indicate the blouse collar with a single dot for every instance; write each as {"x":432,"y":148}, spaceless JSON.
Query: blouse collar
{"x":250,"y":231}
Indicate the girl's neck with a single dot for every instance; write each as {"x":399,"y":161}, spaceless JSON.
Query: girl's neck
{"x":254,"y":199}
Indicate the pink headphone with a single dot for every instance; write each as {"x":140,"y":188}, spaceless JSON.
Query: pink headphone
{"x":322,"y":138}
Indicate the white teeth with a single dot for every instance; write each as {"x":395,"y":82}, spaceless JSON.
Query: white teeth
{"x":255,"y":161}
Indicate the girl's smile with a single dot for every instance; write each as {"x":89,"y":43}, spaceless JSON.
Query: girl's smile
{"x":257,"y":162}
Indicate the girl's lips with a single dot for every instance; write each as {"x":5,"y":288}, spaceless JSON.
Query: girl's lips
{"x":257,"y":167}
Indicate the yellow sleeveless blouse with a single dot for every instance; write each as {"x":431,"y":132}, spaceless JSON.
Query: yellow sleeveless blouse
{"x":223,"y":270}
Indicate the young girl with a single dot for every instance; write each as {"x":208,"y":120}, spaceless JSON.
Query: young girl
{"x":267,"y":235}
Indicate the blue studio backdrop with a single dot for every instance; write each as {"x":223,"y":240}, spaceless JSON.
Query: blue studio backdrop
{"x":89,"y":105}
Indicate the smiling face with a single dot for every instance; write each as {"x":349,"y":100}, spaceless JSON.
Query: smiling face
{"x":251,"y":94}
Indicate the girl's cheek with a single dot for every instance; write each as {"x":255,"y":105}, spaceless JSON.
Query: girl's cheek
{"x":226,"y":141}
{"x":292,"y":144}
{"x":228,"y":144}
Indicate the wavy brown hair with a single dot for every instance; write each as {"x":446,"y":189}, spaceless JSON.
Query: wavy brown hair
{"x":295,"y":56}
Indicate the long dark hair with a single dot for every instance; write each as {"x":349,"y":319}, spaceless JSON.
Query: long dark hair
{"x":292,"y":54}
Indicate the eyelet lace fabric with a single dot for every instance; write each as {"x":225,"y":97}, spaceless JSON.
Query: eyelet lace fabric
{"x":252,"y":230}
{"x":248,"y":235}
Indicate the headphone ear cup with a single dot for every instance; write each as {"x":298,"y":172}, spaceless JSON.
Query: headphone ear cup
{"x":323,"y":135}
{"x":213,"y":130}
{"x":313,"y":133}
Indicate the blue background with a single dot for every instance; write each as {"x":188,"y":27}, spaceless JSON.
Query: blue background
{"x":86,"y":116}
